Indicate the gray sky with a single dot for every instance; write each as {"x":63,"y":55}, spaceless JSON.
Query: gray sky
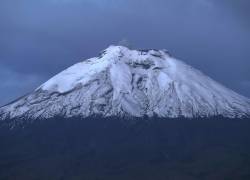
{"x":40,"y":38}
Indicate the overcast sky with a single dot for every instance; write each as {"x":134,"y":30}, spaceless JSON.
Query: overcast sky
{"x":40,"y":38}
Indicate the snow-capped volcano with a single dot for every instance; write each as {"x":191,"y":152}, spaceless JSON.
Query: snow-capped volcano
{"x":124,"y":82}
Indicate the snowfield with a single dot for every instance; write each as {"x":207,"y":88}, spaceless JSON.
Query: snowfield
{"x":123,"y":82}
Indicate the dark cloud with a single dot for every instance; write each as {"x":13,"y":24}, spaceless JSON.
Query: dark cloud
{"x":239,"y":8}
{"x":14,"y":84}
{"x":40,"y":38}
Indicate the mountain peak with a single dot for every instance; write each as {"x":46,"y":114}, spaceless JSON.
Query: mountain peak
{"x":126,"y":82}
{"x":125,"y":50}
{"x":81,"y":72}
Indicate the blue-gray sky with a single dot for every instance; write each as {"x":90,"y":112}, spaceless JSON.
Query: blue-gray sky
{"x":40,"y":38}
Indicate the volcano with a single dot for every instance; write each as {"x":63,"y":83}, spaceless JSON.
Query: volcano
{"x":122,"y":82}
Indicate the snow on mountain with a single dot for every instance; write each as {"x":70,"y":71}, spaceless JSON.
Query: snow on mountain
{"x":124,"y":82}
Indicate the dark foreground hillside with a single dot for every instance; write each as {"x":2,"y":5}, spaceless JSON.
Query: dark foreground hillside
{"x":112,"y":149}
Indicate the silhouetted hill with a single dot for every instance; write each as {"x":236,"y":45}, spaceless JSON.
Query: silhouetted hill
{"x":111,"y":149}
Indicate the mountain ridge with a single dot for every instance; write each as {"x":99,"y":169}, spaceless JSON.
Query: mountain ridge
{"x":124,"y":82}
